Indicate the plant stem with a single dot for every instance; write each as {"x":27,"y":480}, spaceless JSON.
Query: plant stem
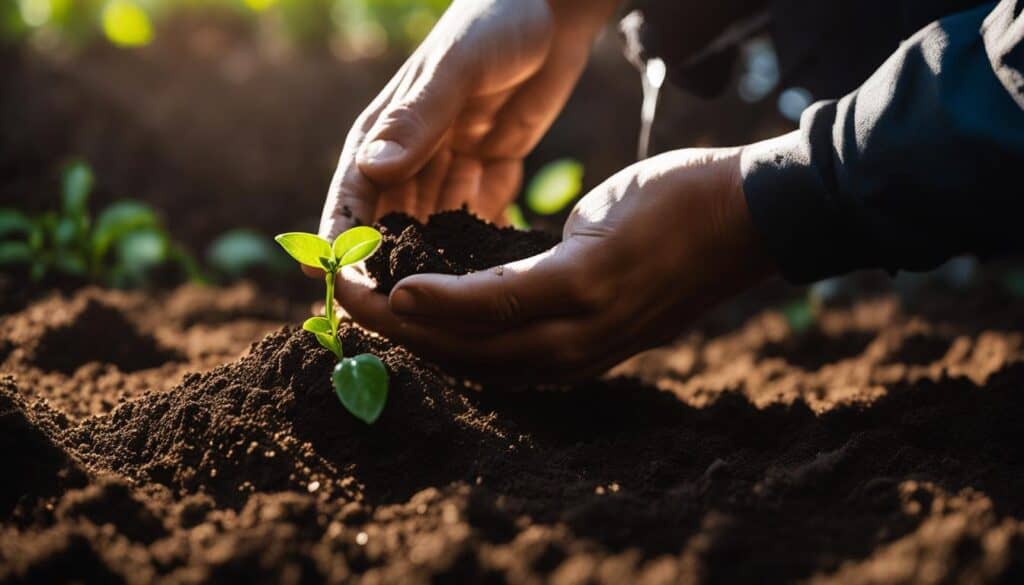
{"x":329,"y":310}
{"x":329,"y":302}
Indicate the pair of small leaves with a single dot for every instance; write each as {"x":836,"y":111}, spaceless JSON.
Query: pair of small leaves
{"x":321,"y":328}
{"x":350,"y":247}
{"x":361,"y":383}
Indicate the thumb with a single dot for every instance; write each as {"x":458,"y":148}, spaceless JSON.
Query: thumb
{"x":549,"y":284}
{"x":410,"y":127}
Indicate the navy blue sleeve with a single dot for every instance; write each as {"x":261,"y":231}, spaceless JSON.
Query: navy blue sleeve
{"x":921,"y":163}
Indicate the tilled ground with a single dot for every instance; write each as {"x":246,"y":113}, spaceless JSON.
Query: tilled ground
{"x":879,"y":445}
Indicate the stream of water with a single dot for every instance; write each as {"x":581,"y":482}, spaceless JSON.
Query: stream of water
{"x":651,"y":78}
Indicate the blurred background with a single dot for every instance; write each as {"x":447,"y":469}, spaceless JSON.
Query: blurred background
{"x":231,"y":113}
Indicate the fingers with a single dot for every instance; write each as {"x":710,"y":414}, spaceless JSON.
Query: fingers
{"x":540,"y":349}
{"x":550,"y":284}
{"x":410,"y":128}
{"x":352,"y":197}
{"x":527,"y":114}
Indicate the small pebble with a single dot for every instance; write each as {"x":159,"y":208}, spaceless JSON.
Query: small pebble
{"x":313,"y":486}
{"x":362,"y":538}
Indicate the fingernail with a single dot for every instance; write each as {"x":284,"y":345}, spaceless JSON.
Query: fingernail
{"x":380,"y":151}
{"x":403,"y":301}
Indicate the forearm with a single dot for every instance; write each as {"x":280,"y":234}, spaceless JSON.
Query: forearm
{"x":903,"y":173}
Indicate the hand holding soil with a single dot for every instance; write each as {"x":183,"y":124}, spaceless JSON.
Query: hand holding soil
{"x":642,"y":254}
{"x":453,"y":125}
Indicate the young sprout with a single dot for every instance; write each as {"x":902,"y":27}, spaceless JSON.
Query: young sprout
{"x":361,"y":382}
{"x":120,"y":247}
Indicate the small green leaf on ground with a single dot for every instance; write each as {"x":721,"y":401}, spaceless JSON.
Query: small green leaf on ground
{"x":140,"y":251}
{"x":361,"y":383}
{"x":356,"y":244}
{"x":238,"y":251}
{"x":15,"y":253}
{"x":799,"y":314}
{"x":117,"y":221}
{"x":76,"y":185}
{"x":305,"y":248}
{"x":14,"y":222}
{"x":555,"y":186}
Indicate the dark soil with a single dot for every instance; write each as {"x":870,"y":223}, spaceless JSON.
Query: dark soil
{"x":453,"y":242}
{"x":877,"y":446}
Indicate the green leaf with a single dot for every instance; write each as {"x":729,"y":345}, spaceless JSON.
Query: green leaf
{"x":555,"y":186}
{"x":305,"y":248}
{"x":356,"y":244}
{"x":137,"y":253}
{"x":317,"y":325}
{"x":361,"y":383}
{"x":12,"y":253}
{"x":77,"y":182}
{"x":515,"y":216}
{"x":799,"y":315}
{"x":330,"y":342}
{"x":142,"y":249}
{"x":119,"y":220}
{"x":237,"y":252}
{"x":71,"y":264}
{"x":14,"y":222}
{"x":66,"y":232}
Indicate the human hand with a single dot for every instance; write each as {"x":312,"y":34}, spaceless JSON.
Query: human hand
{"x":642,"y":254}
{"x":453,"y":125}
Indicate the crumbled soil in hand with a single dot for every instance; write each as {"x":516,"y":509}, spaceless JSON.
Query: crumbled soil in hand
{"x":879,"y":445}
{"x":452,"y":242}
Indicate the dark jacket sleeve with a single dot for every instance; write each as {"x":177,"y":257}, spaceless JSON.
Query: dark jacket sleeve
{"x":921,"y":163}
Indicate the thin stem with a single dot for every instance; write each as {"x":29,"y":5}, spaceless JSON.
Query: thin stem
{"x":329,"y":311}
{"x":329,"y":303}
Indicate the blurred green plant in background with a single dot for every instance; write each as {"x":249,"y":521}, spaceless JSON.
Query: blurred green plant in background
{"x":122,"y":247}
{"x":351,"y":28}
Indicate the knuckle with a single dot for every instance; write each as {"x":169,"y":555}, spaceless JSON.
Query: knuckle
{"x":402,"y":120}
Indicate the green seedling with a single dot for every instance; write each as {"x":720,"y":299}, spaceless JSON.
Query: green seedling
{"x":119,"y":248}
{"x":361,"y":382}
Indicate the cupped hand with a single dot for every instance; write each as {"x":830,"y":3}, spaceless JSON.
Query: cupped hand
{"x":642,"y":255}
{"x":453,"y":125}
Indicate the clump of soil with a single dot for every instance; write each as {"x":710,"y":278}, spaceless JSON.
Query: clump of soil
{"x":451,"y":242}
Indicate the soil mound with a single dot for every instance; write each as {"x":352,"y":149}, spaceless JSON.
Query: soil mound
{"x":63,"y":337}
{"x":451,"y":242}
{"x":35,"y":462}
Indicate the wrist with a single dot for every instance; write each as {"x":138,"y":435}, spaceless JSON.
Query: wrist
{"x":745,"y":260}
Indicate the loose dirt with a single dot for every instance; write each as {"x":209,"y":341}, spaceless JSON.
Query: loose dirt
{"x":193,"y":437}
